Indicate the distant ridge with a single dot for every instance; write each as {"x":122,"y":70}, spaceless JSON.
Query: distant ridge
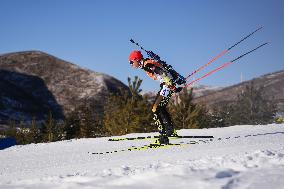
{"x":273,"y":84}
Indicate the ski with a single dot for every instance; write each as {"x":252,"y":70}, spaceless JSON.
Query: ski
{"x":148,"y":147}
{"x":156,"y":137}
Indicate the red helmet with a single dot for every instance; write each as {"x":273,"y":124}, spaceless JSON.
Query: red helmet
{"x":135,"y":55}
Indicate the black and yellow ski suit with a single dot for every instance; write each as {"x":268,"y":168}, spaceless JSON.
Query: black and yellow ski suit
{"x":162,"y":118}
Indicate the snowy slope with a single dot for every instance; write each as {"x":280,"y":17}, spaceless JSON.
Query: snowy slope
{"x":238,"y":157}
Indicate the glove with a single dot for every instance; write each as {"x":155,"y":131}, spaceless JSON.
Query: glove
{"x":154,"y":109}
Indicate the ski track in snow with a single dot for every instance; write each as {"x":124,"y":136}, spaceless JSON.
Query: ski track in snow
{"x":243,"y":157}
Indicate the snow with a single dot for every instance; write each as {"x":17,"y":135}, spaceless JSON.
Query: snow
{"x":238,"y":157}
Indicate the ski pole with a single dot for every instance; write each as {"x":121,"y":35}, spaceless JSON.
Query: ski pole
{"x":249,"y":52}
{"x":224,"y":65}
{"x":207,"y":74}
{"x":222,"y":53}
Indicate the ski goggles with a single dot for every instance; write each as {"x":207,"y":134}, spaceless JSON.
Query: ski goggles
{"x":131,"y":62}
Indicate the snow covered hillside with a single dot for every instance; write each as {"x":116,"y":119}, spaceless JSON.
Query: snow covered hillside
{"x":237,"y":157}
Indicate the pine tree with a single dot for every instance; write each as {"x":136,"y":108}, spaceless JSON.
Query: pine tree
{"x":34,"y":135}
{"x":218,"y":117}
{"x":135,"y":86}
{"x":117,"y":118}
{"x":84,"y":121}
{"x":252,"y":108}
{"x":72,"y":125}
{"x":12,"y":130}
{"x":59,"y":132}
{"x":186,"y":114}
{"x":48,"y":128}
{"x":125,"y":113}
{"x":87,"y":121}
{"x":22,"y":133}
{"x":145,"y":116}
{"x":17,"y":131}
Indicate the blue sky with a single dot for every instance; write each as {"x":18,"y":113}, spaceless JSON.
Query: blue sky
{"x":95,"y":34}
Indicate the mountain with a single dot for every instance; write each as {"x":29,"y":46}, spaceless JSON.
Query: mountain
{"x":273,"y":90}
{"x":32,"y":83}
{"x":202,"y":90}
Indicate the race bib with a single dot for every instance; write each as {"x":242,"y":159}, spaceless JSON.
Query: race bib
{"x":165,"y":91}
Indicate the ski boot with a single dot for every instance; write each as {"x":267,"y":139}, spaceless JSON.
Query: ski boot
{"x":162,"y":140}
{"x":163,"y":137}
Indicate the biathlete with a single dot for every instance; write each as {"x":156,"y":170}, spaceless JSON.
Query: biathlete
{"x":169,"y":79}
